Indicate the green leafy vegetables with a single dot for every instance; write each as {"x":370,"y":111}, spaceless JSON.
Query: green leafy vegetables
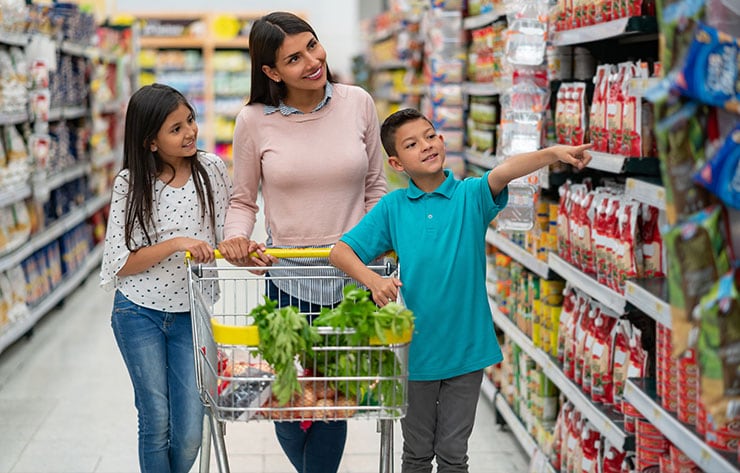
{"x":353,"y":355}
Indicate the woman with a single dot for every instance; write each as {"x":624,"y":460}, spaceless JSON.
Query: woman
{"x":312,"y":146}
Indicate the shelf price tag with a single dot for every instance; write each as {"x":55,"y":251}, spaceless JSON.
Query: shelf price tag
{"x":659,"y":308}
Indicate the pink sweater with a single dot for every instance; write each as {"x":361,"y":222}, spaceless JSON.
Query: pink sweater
{"x":319,"y":172}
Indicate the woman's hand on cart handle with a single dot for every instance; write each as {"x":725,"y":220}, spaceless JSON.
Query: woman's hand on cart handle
{"x":241,"y":251}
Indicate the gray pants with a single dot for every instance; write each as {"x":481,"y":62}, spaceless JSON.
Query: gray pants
{"x":438,"y":423}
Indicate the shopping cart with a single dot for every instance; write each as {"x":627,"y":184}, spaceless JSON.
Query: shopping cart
{"x":339,"y":380}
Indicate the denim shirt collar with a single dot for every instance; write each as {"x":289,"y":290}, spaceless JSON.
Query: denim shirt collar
{"x":286,"y":110}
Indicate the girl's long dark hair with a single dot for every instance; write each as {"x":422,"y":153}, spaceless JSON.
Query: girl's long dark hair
{"x":148,"y":108}
{"x":265,"y":38}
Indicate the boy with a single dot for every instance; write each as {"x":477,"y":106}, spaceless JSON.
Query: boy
{"x":437,"y":228}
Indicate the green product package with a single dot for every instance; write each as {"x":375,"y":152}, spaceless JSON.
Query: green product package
{"x":697,"y":255}
{"x":719,"y":350}
{"x":680,"y":141}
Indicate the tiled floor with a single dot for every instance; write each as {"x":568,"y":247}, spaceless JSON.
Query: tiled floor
{"x":66,"y":405}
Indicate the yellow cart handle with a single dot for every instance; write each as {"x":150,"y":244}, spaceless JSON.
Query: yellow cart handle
{"x":285,"y":253}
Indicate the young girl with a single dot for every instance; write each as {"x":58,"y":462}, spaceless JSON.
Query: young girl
{"x":311,"y":146}
{"x":168,"y":198}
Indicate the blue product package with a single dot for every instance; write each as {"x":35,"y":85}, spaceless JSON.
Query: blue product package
{"x":710,"y":72}
{"x":721,"y":175}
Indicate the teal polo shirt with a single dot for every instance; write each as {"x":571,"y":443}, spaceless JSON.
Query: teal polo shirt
{"x":440,"y":239}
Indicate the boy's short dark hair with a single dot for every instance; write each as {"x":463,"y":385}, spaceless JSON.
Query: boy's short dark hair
{"x":394,"y":122}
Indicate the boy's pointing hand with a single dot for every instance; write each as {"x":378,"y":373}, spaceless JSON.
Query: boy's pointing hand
{"x":578,"y":156}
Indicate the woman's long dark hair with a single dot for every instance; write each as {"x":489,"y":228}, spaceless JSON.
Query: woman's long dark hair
{"x":265,"y":38}
{"x":148,"y":108}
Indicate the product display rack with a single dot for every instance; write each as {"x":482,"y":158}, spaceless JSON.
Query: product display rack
{"x":503,"y":408}
{"x":609,"y":297}
{"x":641,"y":394}
{"x":39,"y":184}
{"x":537,"y":266}
{"x":650,"y":296}
{"x":622,"y":27}
{"x":605,"y":419}
{"x":643,"y":299}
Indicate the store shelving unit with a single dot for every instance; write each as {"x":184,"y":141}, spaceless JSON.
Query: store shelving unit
{"x":477,"y":21}
{"x":611,"y":29}
{"x":503,"y":408}
{"x":641,"y":394}
{"x":605,"y":419}
{"x":537,"y":266}
{"x":650,"y":296}
{"x":19,"y":328}
{"x":39,"y":183}
{"x":618,"y":164}
{"x":647,"y":192}
{"x":588,"y":284}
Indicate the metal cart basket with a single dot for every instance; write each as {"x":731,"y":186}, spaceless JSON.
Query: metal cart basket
{"x":339,"y":380}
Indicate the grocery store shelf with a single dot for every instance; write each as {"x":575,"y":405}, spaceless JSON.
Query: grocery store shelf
{"x":608,"y":421}
{"x":639,"y":87}
{"x":641,"y":394}
{"x":13,"y":118}
{"x":518,"y":253}
{"x":587,"y":284}
{"x":53,"y":231}
{"x":484,"y":19}
{"x":645,"y":192}
{"x":482,"y":160}
{"x":14,"y":192}
{"x":613,"y":163}
{"x":177,"y":42}
{"x":69,"y":174}
{"x":606,"y":30}
{"x":650,"y":296}
{"x":618,"y":164}
{"x":68,"y":113}
{"x":12,"y":38}
{"x":388,"y":65}
{"x":507,"y":413}
{"x":482,"y":88}
{"x":488,"y":389}
{"x":17,"y":329}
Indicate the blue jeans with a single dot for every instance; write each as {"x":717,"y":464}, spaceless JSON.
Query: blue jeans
{"x":319,"y":448}
{"x":157,"y":348}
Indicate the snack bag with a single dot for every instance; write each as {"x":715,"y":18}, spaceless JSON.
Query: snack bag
{"x":680,"y":139}
{"x":720,"y":175}
{"x":697,"y":254}
{"x":719,"y":350}
{"x":710,"y":72}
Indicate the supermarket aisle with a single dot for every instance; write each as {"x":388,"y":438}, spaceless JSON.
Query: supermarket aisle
{"x":66,"y":405}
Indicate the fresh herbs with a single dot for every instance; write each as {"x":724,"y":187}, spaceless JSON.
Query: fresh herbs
{"x":365,"y":372}
{"x":359,"y":313}
{"x":284,"y":334}
{"x":365,"y":322}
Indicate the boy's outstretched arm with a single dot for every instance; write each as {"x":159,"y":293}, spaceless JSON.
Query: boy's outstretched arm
{"x":384,"y":290}
{"x":526,"y":163}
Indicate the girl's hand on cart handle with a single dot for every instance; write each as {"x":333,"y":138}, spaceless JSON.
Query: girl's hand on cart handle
{"x":384,"y":290}
{"x":199,"y":250}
